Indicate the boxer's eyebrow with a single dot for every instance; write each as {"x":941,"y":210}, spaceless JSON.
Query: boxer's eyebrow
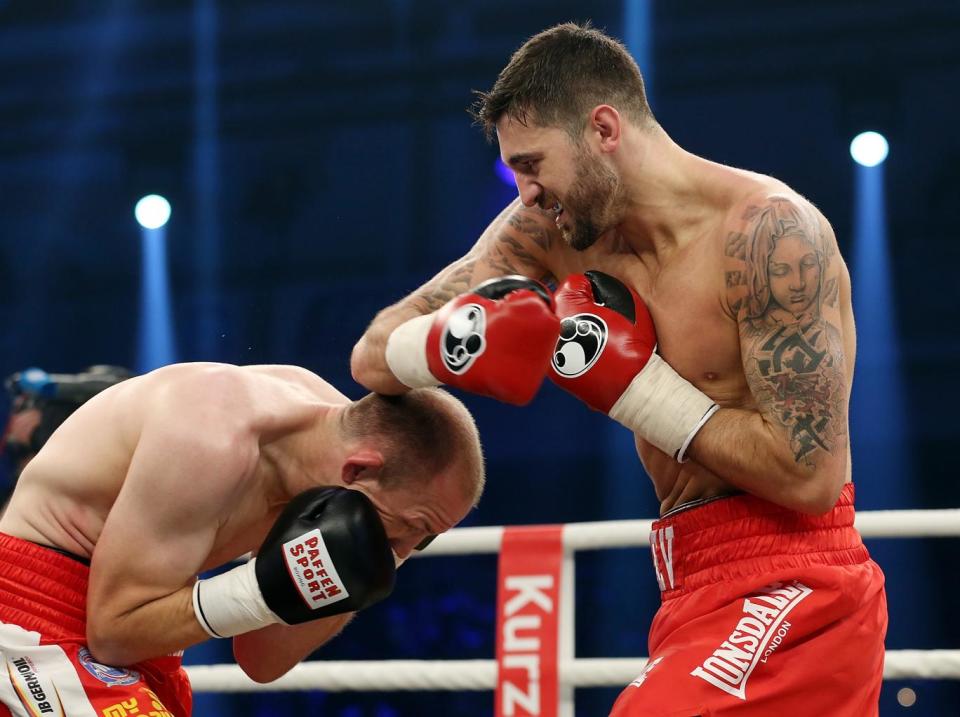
{"x":515,"y":159}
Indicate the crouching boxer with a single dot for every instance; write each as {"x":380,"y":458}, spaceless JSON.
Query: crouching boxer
{"x":170,"y":474}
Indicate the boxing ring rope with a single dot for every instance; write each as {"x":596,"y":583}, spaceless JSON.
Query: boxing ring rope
{"x":395,"y":675}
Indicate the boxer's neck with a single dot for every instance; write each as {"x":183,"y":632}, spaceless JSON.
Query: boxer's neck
{"x":668,"y":193}
{"x":310,"y":456}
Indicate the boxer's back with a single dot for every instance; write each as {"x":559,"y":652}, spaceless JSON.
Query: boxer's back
{"x":66,"y":493}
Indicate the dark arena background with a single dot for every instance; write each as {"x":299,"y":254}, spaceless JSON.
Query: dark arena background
{"x":319,"y":165}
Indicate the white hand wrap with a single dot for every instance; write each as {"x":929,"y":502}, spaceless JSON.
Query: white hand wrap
{"x":407,"y":353}
{"x":231,"y":603}
{"x":663,"y":408}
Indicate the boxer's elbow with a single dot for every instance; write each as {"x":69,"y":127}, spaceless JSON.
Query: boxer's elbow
{"x":817,"y":492}
{"x":256,"y":667}
{"x":262,"y":673}
{"x":110,"y":648}
{"x":360,"y":363}
{"x":816,"y":500}
{"x":368,"y":367}
{"x":809,"y":484}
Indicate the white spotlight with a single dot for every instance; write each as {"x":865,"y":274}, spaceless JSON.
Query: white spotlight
{"x":869,"y":148}
{"x":152,"y":211}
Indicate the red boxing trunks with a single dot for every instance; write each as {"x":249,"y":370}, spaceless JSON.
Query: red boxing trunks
{"x":764,"y":611}
{"x":48,"y":668}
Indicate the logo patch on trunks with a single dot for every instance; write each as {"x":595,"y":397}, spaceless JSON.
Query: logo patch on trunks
{"x":36,"y":691}
{"x":756,"y":636}
{"x":646,"y":672}
{"x":113,"y":676}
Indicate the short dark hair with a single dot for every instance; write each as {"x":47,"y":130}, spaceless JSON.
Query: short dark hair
{"x":424,"y":432}
{"x":558,"y":76}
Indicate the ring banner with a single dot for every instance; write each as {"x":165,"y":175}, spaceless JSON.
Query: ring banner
{"x":528,"y":608}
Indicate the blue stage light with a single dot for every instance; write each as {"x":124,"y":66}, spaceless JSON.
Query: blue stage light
{"x":152,"y":211}
{"x":869,"y":148}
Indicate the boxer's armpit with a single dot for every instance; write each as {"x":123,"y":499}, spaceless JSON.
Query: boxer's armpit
{"x":781,"y":277}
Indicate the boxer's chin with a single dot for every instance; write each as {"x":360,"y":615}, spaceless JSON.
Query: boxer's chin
{"x":582,"y":236}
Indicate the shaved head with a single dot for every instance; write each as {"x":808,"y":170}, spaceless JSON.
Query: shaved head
{"x":423,"y":434}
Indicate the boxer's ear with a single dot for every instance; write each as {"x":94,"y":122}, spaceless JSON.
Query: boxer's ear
{"x":361,"y":463}
{"x":604,"y":121}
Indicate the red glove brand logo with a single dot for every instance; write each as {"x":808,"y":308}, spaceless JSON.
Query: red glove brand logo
{"x":313,"y":571}
{"x":463,"y":339}
{"x":757,"y":635}
{"x":582,"y":340}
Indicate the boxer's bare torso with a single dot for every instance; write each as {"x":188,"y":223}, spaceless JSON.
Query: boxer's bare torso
{"x":164,"y":476}
{"x":697,"y":330}
{"x":66,"y":493}
{"x":704,"y":289}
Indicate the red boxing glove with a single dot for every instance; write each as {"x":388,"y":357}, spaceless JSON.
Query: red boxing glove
{"x":495,"y":340}
{"x":606,"y":338}
{"x":605,"y":357}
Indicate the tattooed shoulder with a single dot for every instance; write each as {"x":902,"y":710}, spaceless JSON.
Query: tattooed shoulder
{"x":779,"y":262}
{"x":514,"y":243}
{"x":522,"y":245}
{"x":780,"y":275}
{"x":529,"y":223}
{"x":456,"y":280}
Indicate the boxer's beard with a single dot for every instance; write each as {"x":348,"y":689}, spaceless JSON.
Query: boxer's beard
{"x":592,"y":201}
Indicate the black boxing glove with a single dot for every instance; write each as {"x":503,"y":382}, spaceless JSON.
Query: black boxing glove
{"x":327,"y":554}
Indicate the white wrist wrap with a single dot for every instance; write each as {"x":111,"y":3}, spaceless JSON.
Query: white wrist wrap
{"x":407,"y":353}
{"x":231,"y":603}
{"x":663,"y":408}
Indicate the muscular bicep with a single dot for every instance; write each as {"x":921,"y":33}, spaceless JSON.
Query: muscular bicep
{"x":518,"y":241}
{"x":180,"y":486}
{"x":783,"y":280}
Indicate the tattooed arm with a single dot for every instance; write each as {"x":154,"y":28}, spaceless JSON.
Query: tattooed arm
{"x":518,"y":241}
{"x":788,"y":291}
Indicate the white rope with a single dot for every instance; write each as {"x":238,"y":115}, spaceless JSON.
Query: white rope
{"x":397,"y":675}
{"x":636,"y":533}
{"x":925,"y":664}
{"x":909,"y":523}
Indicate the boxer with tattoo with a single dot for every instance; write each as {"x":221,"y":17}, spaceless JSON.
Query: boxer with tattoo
{"x":707,"y":309}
